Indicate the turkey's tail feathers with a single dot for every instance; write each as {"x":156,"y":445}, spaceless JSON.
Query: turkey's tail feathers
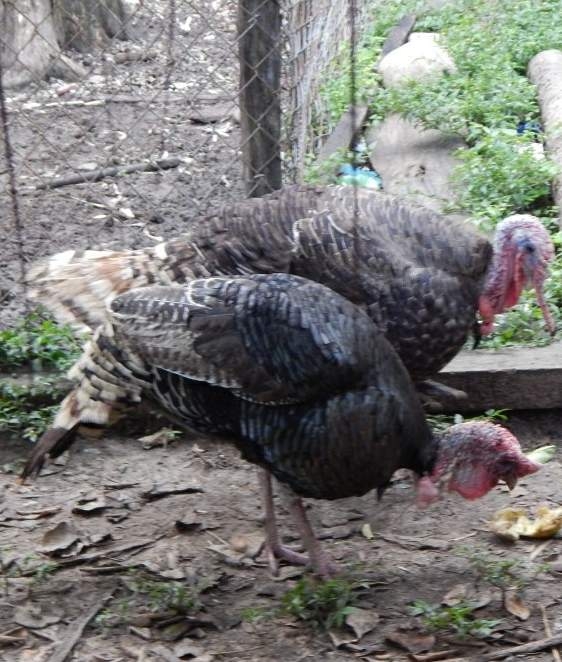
{"x":76,"y":286}
{"x":104,"y":388}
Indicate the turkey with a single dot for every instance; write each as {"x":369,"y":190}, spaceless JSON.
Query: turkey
{"x":296,"y":376}
{"x":421,"y":277}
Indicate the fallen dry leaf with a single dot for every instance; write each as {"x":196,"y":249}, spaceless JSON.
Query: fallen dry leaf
{"x":362,"y":621}
{"x":189,"y":521}
{"x":513,"y":523}
{"x":160,"y":438}
{"x":412,"y":640}
{"x":33,"y":617}
{"x":188,"y":649}
{"x":90,"y":506}
{"x":515,"y":605}
{"x":59,"y":538}
{"x":455,"y":595}
{"x":38,"y":513}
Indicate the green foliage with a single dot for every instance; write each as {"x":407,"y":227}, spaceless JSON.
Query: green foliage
{"x":151,"y":595}
{"x":256,"y":614}
{"x":441,"y":422}
{"x":500,"y":174}
{"x":458,"y":618}
{"x":18,"y":410}
{"x":483,"y":101}
{"x":326,"y":172}
{"x":335,"y":93}
{"x":161,"y":596}
{"x":38,"y":341}
{"x":322,"y":604}
{"x":501,"y":573}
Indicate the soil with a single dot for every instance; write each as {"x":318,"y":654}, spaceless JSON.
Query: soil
{"x":143,"y":99}
{"x":412,"y":555}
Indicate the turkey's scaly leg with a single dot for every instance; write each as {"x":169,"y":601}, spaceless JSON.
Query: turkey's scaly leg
{"x":321,"y":565}
{"x":274,"y":549}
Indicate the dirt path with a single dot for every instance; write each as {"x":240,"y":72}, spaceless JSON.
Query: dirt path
{"x":413,"y":555}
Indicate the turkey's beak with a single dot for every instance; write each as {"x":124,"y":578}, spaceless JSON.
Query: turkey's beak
{"x":511,"y":481}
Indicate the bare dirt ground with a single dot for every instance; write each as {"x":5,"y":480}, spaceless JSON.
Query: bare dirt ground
{"x":155,"y":95}
{"x":106,"y":500}
{"x":90,"y":569}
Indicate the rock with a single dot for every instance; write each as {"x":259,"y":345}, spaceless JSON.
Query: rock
{"x":422,"y":57}
{"x":414,"y":162}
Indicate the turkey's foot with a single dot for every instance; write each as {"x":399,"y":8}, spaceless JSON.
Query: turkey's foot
{"x":276,"y":552}
{"x":431,"y":393}
{"x":319,"y":561}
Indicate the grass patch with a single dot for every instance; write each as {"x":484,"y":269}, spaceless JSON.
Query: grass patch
{"x":322,"y":604}
{"x":151,"y":597}
{"x":19,"y":412}
{"x":38,"y":342}
{"x":489,"y":102}
{"x":458,"y":619}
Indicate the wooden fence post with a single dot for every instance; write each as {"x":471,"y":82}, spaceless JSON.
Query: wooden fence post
{"x":259,"y":44}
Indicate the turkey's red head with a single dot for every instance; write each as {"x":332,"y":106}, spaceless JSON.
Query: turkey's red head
{"x":522,"y":252}
{"x":472,"y":459}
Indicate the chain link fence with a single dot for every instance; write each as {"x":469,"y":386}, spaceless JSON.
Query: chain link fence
{"x":125,"y":119}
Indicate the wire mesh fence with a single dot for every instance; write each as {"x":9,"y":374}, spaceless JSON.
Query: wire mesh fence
{"x":128,"y":118}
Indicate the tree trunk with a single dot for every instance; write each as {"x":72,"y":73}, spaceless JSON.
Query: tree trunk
{"x":33,"y":34}
{"x":545,"y":72}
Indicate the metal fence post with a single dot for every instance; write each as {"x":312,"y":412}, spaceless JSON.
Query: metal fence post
{"x":259,"y":39}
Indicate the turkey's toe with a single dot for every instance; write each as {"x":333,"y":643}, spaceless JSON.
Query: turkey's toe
{"x":278,"y":552}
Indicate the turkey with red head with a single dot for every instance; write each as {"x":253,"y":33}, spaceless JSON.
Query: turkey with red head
{"x":297,"y":377}
{"x":420,"y":276}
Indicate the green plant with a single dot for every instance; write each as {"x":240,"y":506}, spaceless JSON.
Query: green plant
{"x":322,"y":604}
{"x":18,"y":408}
{"x":502,"y":573}
{"x":256,"y":614}
{"x":37,"y":341}
{"x":458,"y":618}
{"x":163,"y":595}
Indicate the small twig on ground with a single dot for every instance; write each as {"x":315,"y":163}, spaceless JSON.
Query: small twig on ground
{"x":531,"y":647}
{"x":538,"y":549}
{"x":548,"y":632}
{"x":113,"y":171}
{"x":75,"y":630}
{"x":433,"y":657}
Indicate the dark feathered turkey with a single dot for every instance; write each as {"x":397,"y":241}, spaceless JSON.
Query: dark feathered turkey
{"x":421,"y":277}
{"x":295,"y":375}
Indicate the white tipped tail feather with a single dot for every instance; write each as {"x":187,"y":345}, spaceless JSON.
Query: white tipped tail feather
{"x":76,"y":286}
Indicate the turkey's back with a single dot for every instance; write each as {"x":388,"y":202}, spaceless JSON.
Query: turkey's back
{"x":417,"y":273}
{"x":341,"y":413}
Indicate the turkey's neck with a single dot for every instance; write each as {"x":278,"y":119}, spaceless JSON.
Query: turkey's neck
{"x":499,"y":291}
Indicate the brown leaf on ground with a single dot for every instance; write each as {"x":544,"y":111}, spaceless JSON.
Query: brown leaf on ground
{"x":362,"y":621}
{"x":33,"y":617}
{"x":90,"y":506}
{"x":59,"y":538}
{"x":455,"y":595}
{"x":515,"y":605}
{"x":412,"y":641}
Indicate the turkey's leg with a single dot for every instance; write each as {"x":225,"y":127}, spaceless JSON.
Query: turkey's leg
{"x":274,"y":549}
{"x":318,"y":558}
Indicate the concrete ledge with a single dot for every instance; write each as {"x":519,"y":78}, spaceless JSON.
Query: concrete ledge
{"x":512,"y":378}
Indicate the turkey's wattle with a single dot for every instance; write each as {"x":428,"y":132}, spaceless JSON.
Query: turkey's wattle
{"x":522,"y":252}
{"x":296,"y":376}
{"x":421,"y":277}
